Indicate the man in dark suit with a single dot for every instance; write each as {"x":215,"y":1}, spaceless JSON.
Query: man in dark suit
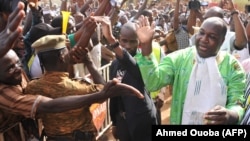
{"x":132,"y":118}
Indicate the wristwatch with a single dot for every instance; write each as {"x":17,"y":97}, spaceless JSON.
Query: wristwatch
{"x":114,"y":45}
{"x":234,"y":12}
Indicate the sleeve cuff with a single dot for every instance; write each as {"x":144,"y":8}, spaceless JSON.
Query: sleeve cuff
{"x":72,"y":40}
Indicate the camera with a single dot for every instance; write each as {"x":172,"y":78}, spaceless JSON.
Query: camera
{"x":194,"y":4}
{"x":247,"y":8}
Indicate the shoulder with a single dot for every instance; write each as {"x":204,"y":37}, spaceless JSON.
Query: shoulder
{"x":229,"y":61}
{"x":189,"y":51}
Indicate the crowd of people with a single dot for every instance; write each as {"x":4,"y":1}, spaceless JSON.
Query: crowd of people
{"x":50,"y":73}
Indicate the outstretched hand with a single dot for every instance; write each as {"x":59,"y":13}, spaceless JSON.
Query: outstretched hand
{"x":114,"y":88}
{"x":13,"y":29}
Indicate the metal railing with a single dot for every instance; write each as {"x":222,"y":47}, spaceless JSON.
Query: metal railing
{"x":107,"y":122}
{"x":13,"y":126}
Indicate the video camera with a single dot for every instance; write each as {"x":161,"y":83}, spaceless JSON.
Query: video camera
{"x":194,"y":4}
{"x":247,"y":8}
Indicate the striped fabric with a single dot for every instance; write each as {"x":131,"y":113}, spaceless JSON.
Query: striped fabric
{"x":14,"y":105}
{"x":246,"y":118}
{"x":58,"y":84}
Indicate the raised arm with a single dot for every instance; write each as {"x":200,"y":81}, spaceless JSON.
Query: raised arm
{"x":240,"y":31}
{"x":143,"y":6}
{"x":176,"y":15}
{"x":145,"y":33}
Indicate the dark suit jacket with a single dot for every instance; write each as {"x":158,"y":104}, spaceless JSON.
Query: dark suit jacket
{"x":131,"y":105}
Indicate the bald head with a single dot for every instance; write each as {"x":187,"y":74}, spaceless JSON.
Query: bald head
{"x":129,"y":26}
{"x":128,"y":38}
{"x":217,"y":22}
{"x":9,"y":55}
{"x":214,"y":12}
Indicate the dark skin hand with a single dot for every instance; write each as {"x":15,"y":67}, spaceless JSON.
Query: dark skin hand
{"x":81,"y":55}
{"x":220,"y":115}
{"x":111,"y":89}
{"x":13,"y":29}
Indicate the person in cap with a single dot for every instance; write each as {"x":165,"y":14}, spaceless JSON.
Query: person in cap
{"x":13,"y":82}
{"x":30,"y":60}
{"x":55,"y":60}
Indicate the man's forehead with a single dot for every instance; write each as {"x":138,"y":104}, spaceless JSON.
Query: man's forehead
{"x":128,"y":37}
{"x":10,"y":55}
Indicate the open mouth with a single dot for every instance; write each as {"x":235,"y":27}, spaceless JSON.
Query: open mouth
{"x":202,"y":48}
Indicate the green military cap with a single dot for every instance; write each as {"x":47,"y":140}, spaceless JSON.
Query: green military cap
{"x":49,"y":42}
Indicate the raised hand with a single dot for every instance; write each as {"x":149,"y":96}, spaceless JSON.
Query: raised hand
{"x":114,"y":88}
{"x":13,"y":29}
{"x":145,"y":33}
{"x":144,"y":30}
{"x":106,"y":26}
{"x":33,"y":4}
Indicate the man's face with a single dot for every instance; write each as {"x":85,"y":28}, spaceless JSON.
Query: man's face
{"x":10,"y":72}
{"x":129,"y":40}
{"x":209,"y":39}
